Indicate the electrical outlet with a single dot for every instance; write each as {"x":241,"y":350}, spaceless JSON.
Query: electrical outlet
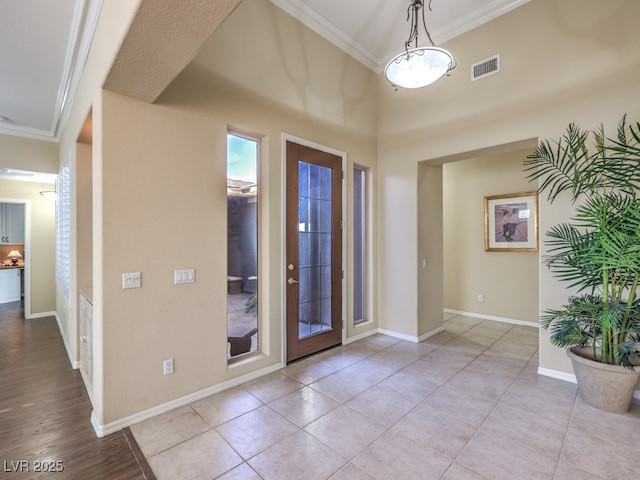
{"x":167,"y":367}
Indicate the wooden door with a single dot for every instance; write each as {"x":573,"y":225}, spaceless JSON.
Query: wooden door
{"x":314,"y":251}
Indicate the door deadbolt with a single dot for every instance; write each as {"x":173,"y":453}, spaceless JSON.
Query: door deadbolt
{"x":290,"y":266}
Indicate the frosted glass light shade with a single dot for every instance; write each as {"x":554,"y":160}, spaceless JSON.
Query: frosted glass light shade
{"x":418,"y":67}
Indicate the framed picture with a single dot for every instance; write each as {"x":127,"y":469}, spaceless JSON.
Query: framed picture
{"x":511,"y":223}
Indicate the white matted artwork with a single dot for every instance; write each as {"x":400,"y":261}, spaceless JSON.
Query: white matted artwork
{"x":511,"y":222}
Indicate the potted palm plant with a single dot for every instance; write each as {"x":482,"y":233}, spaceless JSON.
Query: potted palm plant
{"x":598,"y":253}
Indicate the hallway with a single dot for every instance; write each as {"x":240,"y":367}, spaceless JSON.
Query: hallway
{"x":45,"y":410}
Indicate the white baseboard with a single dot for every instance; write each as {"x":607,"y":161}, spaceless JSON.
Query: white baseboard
{"x":360,"y":336}
{"x":411,"y":338}
{"x":42,"y":315}
{"x":430,"y":334}
{"x":401,"y":336}
{"x":102,"y":430}
{"x":558,"y":375}
{"x":492,"y":317}
{"x":75,"y":364}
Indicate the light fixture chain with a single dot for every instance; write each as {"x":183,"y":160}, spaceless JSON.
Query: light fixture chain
{"x":418,"y":66}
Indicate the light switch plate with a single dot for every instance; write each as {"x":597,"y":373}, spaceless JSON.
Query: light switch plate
{"x":187,"y":275}
{"x":131,"y":280}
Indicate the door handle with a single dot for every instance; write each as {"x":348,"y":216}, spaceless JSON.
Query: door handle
{"x":291,"y":281}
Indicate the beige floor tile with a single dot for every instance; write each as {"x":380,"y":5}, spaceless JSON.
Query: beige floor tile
{"x":462,"y":320}
{"x":362,"y":348}
{"x":494,"y":366}
{"x":304,"y":406}
{"x":437,"y":375}
{"x":225,"y":406}
{"x":169,"y":429}
{"x":437,"y":430}
{"x":484,"y":331}
{"x":298,"y":456}
{"x":568,"y":471}
{"x":533,"y":431}
{"x":537,"y":428}
{"x":456,"y":328}
{"x":600,"y":456}
{"x":484,"y":385}
{"x":410,"y":385}
{"x":254,"y":431}
{"x":200,"y":458}
{"x":439,"y":338}
{"x":523,"y":334}
{"x":394,"y":456}
{"x":349,"y":382}
{"x":520,"y":350}
{"x":503,"y":327}
{"x":382,"y":340}
{"x":547,"y":385}
{"x":417,"y":349}
{"x":464,"y":346}
{"x":460,"y":472}
{"x":346,"y":431}
{"x":499,"y":458}
{"x":383,"y":404}
{"x":619,"y":428}
{"x":373,"y":370}
{"x":241,"y":472}
{"x":338,"y":358}
{"x":310,"y":370}
{"x":446,"y":359}
{"x":272,"y":386}
{"x":394,"y":359}
{"x":458,"y":404}
{"x":351,"y":472}
{"x":539,"y":403}
{"x":477,"y":340}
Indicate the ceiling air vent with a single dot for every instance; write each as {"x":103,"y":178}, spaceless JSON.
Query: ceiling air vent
{"x":486,"y":67}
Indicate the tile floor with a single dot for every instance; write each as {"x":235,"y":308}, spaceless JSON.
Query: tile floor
{"x":465,"y":404}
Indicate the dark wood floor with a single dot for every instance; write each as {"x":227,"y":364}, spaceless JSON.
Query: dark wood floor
{"x":45,"y":410}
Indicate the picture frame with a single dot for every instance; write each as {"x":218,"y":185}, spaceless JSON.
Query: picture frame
{"x":511,"y":222}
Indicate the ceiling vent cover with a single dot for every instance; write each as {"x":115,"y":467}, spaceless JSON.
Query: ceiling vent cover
{"x":486,"y":67}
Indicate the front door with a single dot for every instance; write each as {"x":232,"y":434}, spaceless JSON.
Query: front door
{"x":314,"y":250}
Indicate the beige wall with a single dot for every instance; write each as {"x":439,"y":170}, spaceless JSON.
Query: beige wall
{"x":581,"y":66}
{"x":508,"y":280}
{"x":42,"y":254}
{"x":27,"y":154}
{"x":158,"y":170}
{"x":430,"y":245}
{"x":264,"y":50}
{"x":115,"y":18}
{"x":161,"y":189}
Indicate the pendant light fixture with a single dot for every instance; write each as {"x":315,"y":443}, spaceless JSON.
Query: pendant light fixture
{"x":418,"y":66}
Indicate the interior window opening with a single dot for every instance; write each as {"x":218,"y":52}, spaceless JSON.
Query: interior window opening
{"x":242,"y":245}
{"x":359,"y":246}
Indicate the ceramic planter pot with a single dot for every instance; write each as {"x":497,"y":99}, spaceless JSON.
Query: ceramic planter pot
{"x":606,"y":387}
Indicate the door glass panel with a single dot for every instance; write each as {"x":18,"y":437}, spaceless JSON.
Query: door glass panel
{"x":314,"y":239}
